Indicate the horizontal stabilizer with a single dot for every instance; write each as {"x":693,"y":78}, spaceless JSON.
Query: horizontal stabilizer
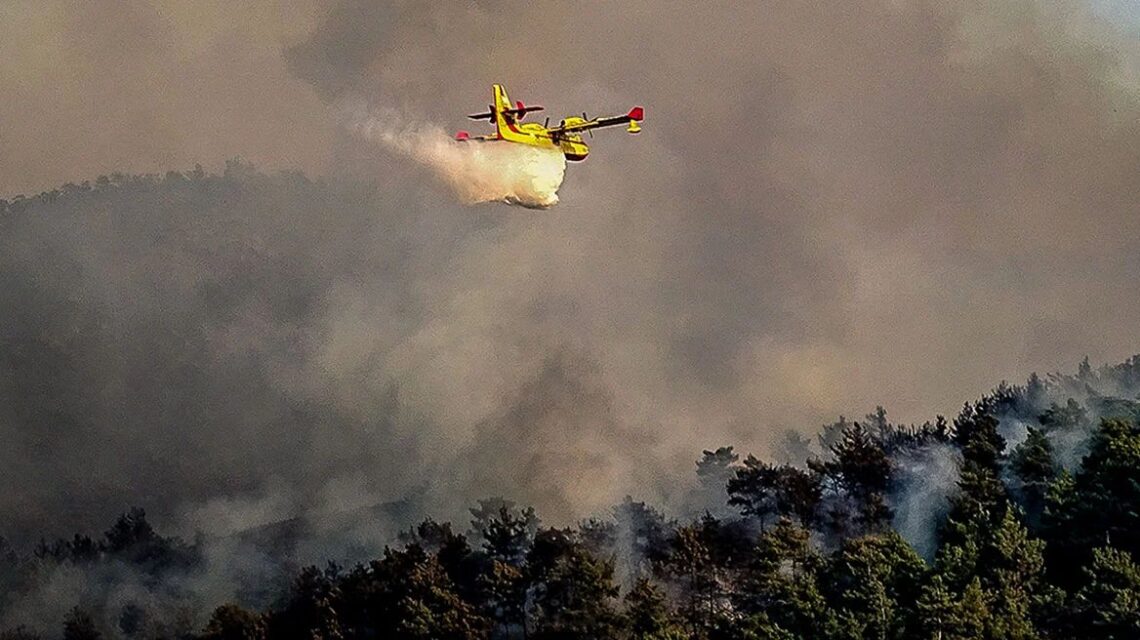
{"x":521,"y":110}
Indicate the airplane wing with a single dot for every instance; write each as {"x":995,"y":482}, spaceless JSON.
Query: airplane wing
{"x":463,"y":136}
{"x":635,"y":114}
{"x":518,"y":112}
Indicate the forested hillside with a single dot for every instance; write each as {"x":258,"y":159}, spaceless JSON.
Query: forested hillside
{"x":1026,"y":546}
{"x":159,"y":360}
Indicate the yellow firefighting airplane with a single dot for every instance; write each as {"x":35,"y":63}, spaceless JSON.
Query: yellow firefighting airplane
{"x":566,"y":137}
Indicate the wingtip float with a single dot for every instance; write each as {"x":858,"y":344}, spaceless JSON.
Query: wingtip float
{"x":566,"y":137}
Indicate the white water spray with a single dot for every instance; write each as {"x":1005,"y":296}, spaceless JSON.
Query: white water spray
{"x":492,"y":171}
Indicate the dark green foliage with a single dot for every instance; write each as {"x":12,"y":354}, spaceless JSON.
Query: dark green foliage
{"x":942,"y":614}
{"x":311,"y":608}
{"x":647,"y":531}
{"x":1035,"y":469}
{"x":859,"y":472}
{"x":647,"y":614}
{"x":765,"y":491}
{"x":872,"y":581}
{"x":503,"y":594}
{"x":976,"y":433}
{"x":1028,"y":551}
{"x":699,"y":578}
{"x":982,"y":499}
{"x":1108,"y":605}
{"x":231,"y":622}
{"x":1013,"y":567}
{"x":430,"y":608}
{"x":1099,"y":505}
{"x":1108,"y":486}
{"x":574,"y":595}
{"x":1063,"y":418}
{"x":410,"y":594}
{"x":504,"y":530}
{"x":781,"y":586}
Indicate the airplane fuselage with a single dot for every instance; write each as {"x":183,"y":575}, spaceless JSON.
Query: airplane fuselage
{"x":536,"y":135}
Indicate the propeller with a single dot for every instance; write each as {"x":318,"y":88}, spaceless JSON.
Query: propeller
{"x":546,"y":125}
{"x":587,"y":119}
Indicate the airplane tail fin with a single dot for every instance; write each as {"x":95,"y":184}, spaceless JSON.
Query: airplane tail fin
{"x":502,"y":104}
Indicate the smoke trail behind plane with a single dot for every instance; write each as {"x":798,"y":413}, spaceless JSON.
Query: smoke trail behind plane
{"x":492,"y":171}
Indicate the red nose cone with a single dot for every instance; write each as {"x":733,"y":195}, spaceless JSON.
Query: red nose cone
{"x":637,"y":113}
{"x":462,"y":135}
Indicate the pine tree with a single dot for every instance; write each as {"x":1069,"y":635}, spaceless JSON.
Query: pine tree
{"x":976,"y":434}
{"x":647,"y":615}
{"x":312,"y":607}
{"x":503,"y":595}
{"x":780,"y":587}
{"x":873,"y":581}
{"x":231,"y":622}
{"x":861,"y":472}
{"x":753,"y":490}
{"x":763,"y":491}
{"x":1035,"y":469}
{"x":1098,"y":507}
{"x":507,"y":535}
{"x":974,"y":619}
{"x":575,"y":596}
{"x":431,"y":609}
{"x":1108,"y":605}
{"x":937,"y":611}
{"x":690,"y":564}
{"x":982,"y":500}
{"x":1014,"y":567}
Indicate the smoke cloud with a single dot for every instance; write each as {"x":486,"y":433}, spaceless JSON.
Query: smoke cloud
{"x":835,"y":206}
{"x":478,"y":171}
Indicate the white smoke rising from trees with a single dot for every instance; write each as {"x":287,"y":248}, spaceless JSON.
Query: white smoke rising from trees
{"x":490,"y":171}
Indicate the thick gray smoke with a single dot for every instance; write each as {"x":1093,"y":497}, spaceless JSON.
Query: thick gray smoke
{"x":835,"y":206}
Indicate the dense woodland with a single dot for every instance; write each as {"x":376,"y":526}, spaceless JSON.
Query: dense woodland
{"x":1035,"y":534}
{"x":1026,"y":549}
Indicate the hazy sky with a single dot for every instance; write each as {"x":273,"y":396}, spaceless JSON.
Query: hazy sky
{"x":832,"y":205}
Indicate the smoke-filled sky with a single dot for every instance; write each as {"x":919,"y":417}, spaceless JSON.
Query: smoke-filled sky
{"x":832,"y":206}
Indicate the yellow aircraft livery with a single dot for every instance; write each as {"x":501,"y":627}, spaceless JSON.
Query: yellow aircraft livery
{"x":566,"y":137}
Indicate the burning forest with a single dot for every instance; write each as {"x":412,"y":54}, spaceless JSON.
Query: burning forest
{"x":737,"y":375}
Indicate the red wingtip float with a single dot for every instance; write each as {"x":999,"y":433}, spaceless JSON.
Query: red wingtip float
{"x":566,"y":137}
